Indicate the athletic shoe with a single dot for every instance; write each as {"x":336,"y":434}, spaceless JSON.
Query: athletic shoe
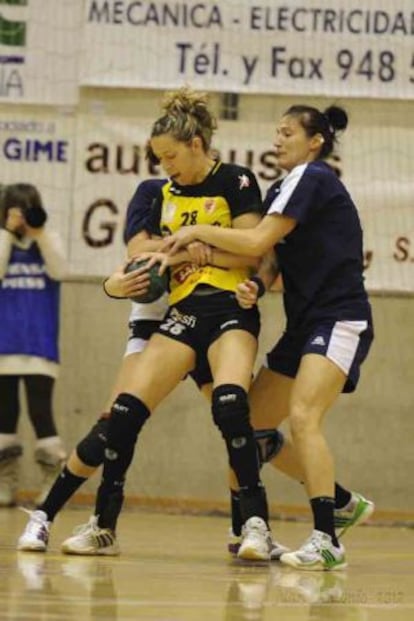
{"x":256,"y":541}
{"x":91,"y":540}
{"x":35,"y":536}
{"x":234,"y":541}
{"x":317,"y":554}
{"x":357,"y":511}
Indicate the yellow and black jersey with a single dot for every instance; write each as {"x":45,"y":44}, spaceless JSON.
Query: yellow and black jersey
{"x":226,"y":193}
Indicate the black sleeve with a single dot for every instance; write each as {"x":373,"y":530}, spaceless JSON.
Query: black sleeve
{"x":153,"y":224}
{"x":243,"y":192}
{"x":140,"y":207}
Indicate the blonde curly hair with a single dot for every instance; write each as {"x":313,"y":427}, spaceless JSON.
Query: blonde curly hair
{"x":186,"y":114}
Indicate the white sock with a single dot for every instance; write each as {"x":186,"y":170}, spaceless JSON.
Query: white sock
{"x":52,"y":444}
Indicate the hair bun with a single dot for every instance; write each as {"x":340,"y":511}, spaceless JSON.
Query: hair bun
{"x":338,"y":118}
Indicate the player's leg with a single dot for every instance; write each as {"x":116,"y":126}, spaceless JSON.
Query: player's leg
{"x":273,"y":387}
{"x":264,"y":419}
{"x":318,"y":384}
{"x":89,"y":453}
{"x":232,"y":357}
{"x":10,"y":447}
{"x":203,"y":378}
{"x":139,"y":396}
{"x":82,"y":463}
{"x":323,"y":374}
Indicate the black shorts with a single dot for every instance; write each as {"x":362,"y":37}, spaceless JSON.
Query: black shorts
{"x":346,"y":343}
{"x":140,"y":331}
{"x":200,"y":320}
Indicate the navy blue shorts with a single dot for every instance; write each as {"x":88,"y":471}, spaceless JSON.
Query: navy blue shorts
{"x":346,"y":343}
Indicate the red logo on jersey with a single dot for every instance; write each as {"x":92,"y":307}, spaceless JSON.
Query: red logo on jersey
{"x":184,"y":272}
{"x":209,"y":205}
{"x":244,"y":181}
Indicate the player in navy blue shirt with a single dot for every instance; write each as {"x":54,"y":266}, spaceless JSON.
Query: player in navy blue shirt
{"x":314,"y":226}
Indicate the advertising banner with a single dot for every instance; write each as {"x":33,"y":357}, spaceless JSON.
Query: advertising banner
{"x":352,"y":49}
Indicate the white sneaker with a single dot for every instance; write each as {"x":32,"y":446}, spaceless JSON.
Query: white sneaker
{"x":358,"y":511}
{"x":91,"y":540}
{"x":317,"y":554}
{"x":256,"y":540}
{"x":35,"y":536}
{"x":234,"y":541}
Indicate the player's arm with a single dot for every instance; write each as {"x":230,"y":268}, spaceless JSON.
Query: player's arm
{"x":222,"y":258}
{"x":253,"y":242}
{"x":143,"y":242}
{"x":268,"y":269}
{"x":123,"y":285}
{"x":249,"y":291}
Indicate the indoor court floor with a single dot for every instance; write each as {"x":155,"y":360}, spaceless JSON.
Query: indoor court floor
{"x":175,"y":568}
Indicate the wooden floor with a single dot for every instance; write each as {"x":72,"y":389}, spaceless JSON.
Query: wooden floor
{"x":175,"y":568}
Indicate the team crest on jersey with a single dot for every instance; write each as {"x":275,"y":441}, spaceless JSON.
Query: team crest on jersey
{"x":209,"y":205}
{"x":169,"y":212}
{"x":244,"y":181}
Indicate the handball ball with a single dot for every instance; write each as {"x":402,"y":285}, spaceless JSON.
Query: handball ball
{"x":158,"y":284}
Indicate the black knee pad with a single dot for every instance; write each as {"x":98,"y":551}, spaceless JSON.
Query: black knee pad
{"x":269,"y":442}
{"x":231,"y":411}
{"x":91,"y":450}
{"x":128,"y":415}
{"x":231,"y":415}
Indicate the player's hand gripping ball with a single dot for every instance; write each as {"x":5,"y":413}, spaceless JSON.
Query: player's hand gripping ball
{"x":158,"y":284}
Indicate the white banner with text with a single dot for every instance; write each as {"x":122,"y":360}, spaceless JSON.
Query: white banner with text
{"x":358,"y":48}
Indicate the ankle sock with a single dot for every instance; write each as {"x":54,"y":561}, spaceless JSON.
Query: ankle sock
{"x":342,"y":497}
{"x":323,"y":516}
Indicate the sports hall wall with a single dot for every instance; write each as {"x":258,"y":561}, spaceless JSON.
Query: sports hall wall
{"x":79,"y":89}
